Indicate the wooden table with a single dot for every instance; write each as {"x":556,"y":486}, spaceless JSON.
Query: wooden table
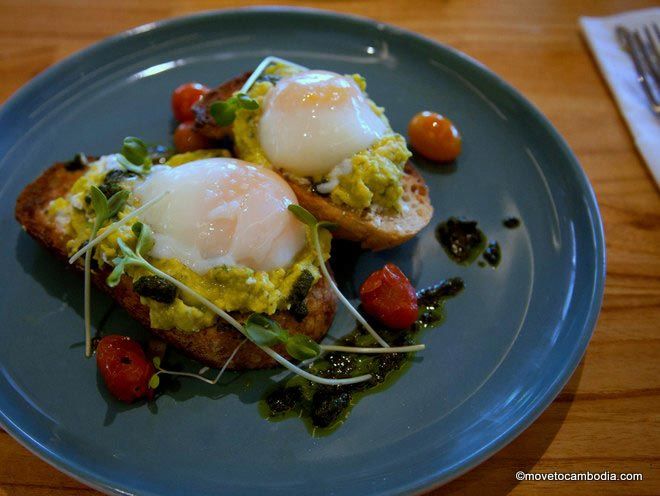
{"x":608,"y":416}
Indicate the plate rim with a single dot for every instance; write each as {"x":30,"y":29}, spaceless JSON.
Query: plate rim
{"x":434,"y":479}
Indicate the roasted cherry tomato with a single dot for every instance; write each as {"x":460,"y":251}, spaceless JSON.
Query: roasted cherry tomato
{"x":434,"y":137}
{"x":186,"y":139}
{"x":388,"y":296}
{"x":124,"y":368}
{"x":184,"y":97}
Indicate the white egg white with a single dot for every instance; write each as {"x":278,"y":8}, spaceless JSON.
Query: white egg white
{"x":315,"y":119}
{"x":222,"y":212}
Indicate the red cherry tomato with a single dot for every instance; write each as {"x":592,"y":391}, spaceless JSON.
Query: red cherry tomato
{"x":124,"y":368}
{"x":434,"y":136}
{"x":186,"y":139}
{"x":388,"y":296}
{"x":184,"y":97}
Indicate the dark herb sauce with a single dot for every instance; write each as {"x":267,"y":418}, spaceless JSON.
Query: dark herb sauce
{"x":431,"y":302}
{"x":156,"y":288}
{"x":493,"y":254}
{"x":112,"y":181}
{"x":511,"y":222}
{"x":298,"y":294}
{"x":324,"y":408}
{"x":462,"y":239}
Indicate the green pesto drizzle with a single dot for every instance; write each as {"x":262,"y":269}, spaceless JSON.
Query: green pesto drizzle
{"x":325,"y":408}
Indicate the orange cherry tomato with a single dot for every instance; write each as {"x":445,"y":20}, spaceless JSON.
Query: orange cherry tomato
{"x":388,"y":295}
{"x":186,"y":139}
{"x":124,"y":368}
{"x":434,"y":137}
{"x":184,"y":97}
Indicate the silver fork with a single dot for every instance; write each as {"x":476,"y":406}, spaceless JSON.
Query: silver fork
{"x":646,"y":59}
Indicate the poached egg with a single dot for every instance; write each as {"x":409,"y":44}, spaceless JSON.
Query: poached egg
{"x":313,"y":120}
{"x":222,"y":211}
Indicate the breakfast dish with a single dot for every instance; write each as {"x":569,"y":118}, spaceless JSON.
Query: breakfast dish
{"x":332,"y":144}
{"x":508,"y":340}
{"x":56,"y":210}
{"x":215,"y":255}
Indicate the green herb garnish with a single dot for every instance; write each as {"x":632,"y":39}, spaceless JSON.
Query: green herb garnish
{"x":302,"y":347}
{"x":116,"y":225}
{"x":134,"y":156}
{"x":266,"y":332}
{"x":224,"y":112}
{"x":133,"y":257}
{"x":104,"y":210}
{"x":154,"y":382}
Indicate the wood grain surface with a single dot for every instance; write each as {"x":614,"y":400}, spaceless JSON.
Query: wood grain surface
{"x":608,"y":416}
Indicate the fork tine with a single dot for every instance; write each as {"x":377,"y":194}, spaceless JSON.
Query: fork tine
{"x":651,"y":42}
{"x":647,"y":55}
{"x":656,"y":29}
{"x":655,"y":55}
{"x":634,"y":41}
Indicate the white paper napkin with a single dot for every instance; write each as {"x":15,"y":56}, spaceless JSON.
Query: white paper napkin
{"x":619,"y":71}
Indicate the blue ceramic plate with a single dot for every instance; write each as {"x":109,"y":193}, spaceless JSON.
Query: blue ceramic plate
{"x":510,"y":341}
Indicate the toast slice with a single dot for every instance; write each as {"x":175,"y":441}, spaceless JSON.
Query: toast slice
{"x":211,"y":346}
{"x":374,"y":230}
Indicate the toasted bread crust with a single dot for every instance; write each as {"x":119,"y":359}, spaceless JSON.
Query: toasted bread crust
{"x":373,"y":230}
{"x":211,"y":346}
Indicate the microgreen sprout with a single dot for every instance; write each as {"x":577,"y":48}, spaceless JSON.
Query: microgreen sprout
{"x":266,"y":332}
{"x":136,"y":258}
{"x":263,"y":65}
{"x":134,"y":156}
{"x":155,"y":380}
{"x":308,"y":218}
{"x":224,"y":112}
{"x":113,"y":227}
{"x":104,"y":210}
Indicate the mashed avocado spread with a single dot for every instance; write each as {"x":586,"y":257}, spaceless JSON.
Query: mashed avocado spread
{"x":232,"y":288}
{"x":370,"y":177}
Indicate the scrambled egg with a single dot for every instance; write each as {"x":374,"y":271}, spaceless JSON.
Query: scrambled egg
{"x":370,"y":177}
{"x":230,"y":288}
